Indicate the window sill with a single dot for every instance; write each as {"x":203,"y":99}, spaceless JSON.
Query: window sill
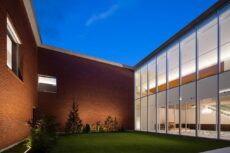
{"x":14,"y":75}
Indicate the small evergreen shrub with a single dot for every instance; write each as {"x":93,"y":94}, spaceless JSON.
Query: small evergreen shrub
{"x":74,"y":123}
{"x":43,"y":135}
{"x":87,"y":128}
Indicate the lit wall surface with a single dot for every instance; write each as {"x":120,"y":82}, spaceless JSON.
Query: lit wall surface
{"x":185,"y":88}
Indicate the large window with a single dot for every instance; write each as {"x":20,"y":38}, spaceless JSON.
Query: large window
{"x":151,"y":113}
{"x":137,"y":85}
{"x":47,"y":84}
{"x":144,"y":114}
{"x":161,"y":72}
{"x":207,"y":107}
{"x":173,"y":66}
{"x":188,"y":57}
{"x":152,"y":77}
{"x":173,"y":111}
{"x":225,"y":39}
{"x":225,"y":105}
{"x":144,"y":90}
{"x":207,"y":48}
{"x":13,"y":61}
{"x":188,"y":109}
{"x":161,"y":112}
{"x":137,"y":114}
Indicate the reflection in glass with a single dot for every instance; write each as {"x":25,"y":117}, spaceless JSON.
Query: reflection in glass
{"x":137,"y":114}
{"x":137,"y":85}
{"x":161,"y":72}
{"x":207,"y":48}
{"x":173,"y":66}
{"x":152,"y":77}
{"x":161,"y":112}
{"x":144,"y":90}
{"x":188,"y":56}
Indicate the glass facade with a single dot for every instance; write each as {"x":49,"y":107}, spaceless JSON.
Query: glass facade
{"x":185,"y":89}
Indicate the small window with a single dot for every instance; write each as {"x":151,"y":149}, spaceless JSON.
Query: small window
{"x":47,"y":84}
{"x":13,"y":61}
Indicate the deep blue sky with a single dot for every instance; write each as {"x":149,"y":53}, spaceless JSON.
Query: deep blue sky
{"x":123,"y":31}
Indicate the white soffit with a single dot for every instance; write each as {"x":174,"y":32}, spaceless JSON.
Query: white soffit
{"x":33,"y":23}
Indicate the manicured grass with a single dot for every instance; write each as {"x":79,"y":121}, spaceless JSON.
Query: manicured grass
{"x":129,"y":142}
{"x":134,"y":142}
{"x":20,"y":148}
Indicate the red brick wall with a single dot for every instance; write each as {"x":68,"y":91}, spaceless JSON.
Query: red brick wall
{"x":101,"y":89}
{"x":16,"y":97}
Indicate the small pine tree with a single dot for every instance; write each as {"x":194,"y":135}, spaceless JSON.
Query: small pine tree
{"x":74,"y":123}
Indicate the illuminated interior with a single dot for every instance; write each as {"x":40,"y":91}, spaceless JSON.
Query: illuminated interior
{"x":174,"y":68}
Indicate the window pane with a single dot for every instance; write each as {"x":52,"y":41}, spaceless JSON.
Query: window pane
{"x":225,"y":105}
{"x":207,"y":48}
{"x":151,"y":113}
{"x":225,"y":115}
{"x":47,"y":84}
{"x":137,"y":85}
{"x":225,"y":38}
{"x":188,"y":110}
{"x":161,"y":112}
{"x":9,"y":52}
{"x":173,"y":66}
{"x":144,"y":81}
{"x":173,"y":111}
{"x":144,"y":114}
{"x":137,"y":114}
{"x":208,"y":64}
{"x":188,"y":63}
{"x":207,"y":106}
{"x":152,"y":77}
{"x":161,"y":72}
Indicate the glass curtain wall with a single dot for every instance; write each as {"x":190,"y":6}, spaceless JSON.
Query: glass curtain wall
{"x":207,"y":107}
{"x":207,"y":47}
{"x":173,"y":66}
{"x":199,"y":46}
{"x":137,"y":100}
{"x":161,"y":96}
{"x":188,"y":109}
{"x":161,"y":112}
{"x":188,"y":58}
{"x":224,"y":21}
{"x":151,"y":96}
{"x":173,"y":111}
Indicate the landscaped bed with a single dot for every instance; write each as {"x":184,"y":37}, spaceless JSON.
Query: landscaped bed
{"x":131,"y":142}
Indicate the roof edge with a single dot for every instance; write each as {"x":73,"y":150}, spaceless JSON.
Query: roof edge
{"x":32,"y":20}
{"x":182,"y":32}
{"x":92,"y":58}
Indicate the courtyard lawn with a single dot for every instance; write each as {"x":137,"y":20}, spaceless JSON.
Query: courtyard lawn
{"x":20,"y":148}
{"x":134,"y":142}
{"x":130,"y":142}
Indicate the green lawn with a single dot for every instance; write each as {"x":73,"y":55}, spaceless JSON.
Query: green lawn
{"x":20,"y":148}
{"x":133,"y":142}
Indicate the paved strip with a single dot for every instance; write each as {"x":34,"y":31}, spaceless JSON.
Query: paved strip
{"x":222,"y":150}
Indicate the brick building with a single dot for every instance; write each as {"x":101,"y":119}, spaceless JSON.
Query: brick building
{"x":101,"y":87}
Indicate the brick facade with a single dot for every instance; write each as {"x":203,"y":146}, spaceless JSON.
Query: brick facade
{"x":17,"y":97}
{"x":101,"y":89}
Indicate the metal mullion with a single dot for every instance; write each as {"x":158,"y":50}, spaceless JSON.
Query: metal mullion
{"x":197,"y":77}
{"x":156,"y":95}
{"x":166,"y":93}
{"x":140,"y":97}
{"x":180,"y":83}
{"x":218,"y":123}
{"x":147,"y":97}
